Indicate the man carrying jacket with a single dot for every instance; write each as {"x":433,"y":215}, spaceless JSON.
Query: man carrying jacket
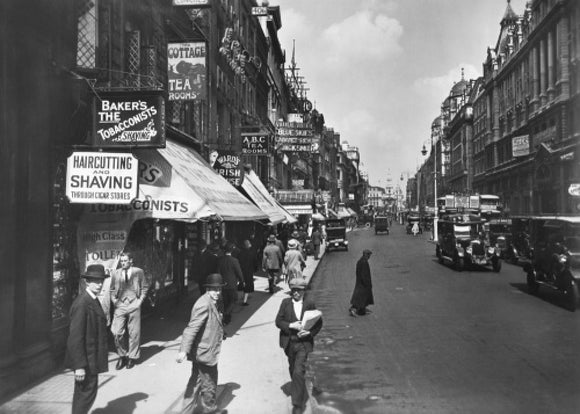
{"x":201,"y":343}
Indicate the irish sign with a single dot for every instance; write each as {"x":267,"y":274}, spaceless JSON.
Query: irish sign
{"x":186,"y":71}
{"x":129,"y":119}
{"x":255,"y":144}
{"x":227,"y":164}
{"x":101,"y":177}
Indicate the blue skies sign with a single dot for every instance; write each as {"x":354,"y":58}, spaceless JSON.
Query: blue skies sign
{"x":186,"y":71}
{"x":129,"y":119}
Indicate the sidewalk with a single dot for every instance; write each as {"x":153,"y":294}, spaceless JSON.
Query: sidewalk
{"x":253,"y":369}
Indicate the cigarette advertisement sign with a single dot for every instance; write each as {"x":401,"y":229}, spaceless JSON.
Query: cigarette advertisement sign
{"x":227,"y":164}
{"x":520,"y":146}
{"x":192,"y":3}
{"x":255,"y":144}
{"x":186,"y":71}
{"x":129,"y":119}
{"x":293,"y":137}
{"x":101,"y":177}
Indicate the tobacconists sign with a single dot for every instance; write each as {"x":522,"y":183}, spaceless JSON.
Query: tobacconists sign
{"x":129,"y":119}
{"x":101,"y":177}
{"x":255,"y":144}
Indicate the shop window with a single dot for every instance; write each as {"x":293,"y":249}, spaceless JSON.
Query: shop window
{"x":87,"y":34}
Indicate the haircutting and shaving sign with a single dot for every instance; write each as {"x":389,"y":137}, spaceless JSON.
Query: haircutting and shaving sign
{"x":186,"y":71}
{"x":101,"y":177}
{"x":129,"y":119}
{"x":255,"y":143}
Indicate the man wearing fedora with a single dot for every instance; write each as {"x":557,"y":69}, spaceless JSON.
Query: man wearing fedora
{"x":296,"y":341}
{"x":272,"y":260}
{"x":201,"y":344}
{"x":86,"y":348}
{"x":128,"y":290}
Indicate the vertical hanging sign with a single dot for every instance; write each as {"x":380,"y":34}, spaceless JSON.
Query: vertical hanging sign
{"x":186,"y":71}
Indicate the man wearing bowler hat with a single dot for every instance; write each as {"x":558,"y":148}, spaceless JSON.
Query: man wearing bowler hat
{"x":86,"y":348}
{"x":297,"y":341}
{"x":201,"y":344}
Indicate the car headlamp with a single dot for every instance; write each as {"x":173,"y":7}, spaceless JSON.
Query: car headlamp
{"x":469,"y":249}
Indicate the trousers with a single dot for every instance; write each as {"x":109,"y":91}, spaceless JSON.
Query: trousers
{"x":297,"y":357}
{"x":127,"y":319}
{"x":85,"y":394}
{"x":201,"y":389}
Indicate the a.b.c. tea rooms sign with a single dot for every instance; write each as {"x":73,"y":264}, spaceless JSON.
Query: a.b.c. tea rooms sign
{"x":129,"y":119}
{"x":101,"y":177}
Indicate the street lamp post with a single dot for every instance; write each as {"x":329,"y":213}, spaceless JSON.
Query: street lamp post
{"x":436,"y":218}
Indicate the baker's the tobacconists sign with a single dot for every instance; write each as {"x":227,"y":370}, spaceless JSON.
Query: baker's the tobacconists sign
{"x":129,"y":119}
{"x":101,"y":177}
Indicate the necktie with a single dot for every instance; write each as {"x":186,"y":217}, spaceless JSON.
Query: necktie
{"x":126,"y":276}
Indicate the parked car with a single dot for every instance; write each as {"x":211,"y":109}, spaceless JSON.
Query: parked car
{"x":521,"y":249}
{"x":381,"y":224}
{"x":555,"y":259}
{"x":500,"y":235}
{"x":336,"y":235}
{"x":462,"y":241}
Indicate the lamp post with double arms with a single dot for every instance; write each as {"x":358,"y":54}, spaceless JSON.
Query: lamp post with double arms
{"x":436,"y":217}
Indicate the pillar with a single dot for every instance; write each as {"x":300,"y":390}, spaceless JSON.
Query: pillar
{"x":551,"y":67}
{"x":543,"y":74}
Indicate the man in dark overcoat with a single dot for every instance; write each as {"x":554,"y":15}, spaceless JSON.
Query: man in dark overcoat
{"x":229,"y":268}
{"x":362,"y":296}
{"x":87,"y":346}
{"x":296,"y":341}
{"x":249,"y":264}
{"x":205,"y":264}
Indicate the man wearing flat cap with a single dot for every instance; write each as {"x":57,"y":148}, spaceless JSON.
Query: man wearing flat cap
{"x":297,"y":342}
{"x":272,"y":261}
{"x":201,"y":344}
{"x":362,"y":296}
{"x":87,"y":347}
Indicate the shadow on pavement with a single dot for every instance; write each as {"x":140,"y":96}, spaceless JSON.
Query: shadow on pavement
{"x":226,"y":393}
{"x":122,"y":405}
{"x":548,"y":295}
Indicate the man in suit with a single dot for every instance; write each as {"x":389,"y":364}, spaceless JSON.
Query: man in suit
{"x":206,"y":264}
{"x":297,"y":342}
{"x":272,"y":261}
{"x":86,"y":348}
{"x":201,"y":343}
{"x":128,"y":291}
{"x":229,"y":268}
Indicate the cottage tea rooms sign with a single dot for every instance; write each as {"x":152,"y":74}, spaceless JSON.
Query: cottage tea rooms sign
{"x":101,"y":177}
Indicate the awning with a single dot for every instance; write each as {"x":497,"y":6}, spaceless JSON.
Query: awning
{"x":352,"y":212}
{"x":298,"y":209}
{"x":256,"y":191}
{"x":289,"y":217}
{"x":177,"y":183}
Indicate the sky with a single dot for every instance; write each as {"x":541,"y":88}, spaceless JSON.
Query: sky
{"x":379,"y":69}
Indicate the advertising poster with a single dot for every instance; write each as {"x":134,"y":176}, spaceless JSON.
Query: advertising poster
{"x":520,"y":146}
{"x":129,"y":119}
{"x":227,"y":164}
{"x":192,"y":3}
{"x":294,"y":137}
{"x":101,"y":177}
{"x":255,"y":144}
{"x":186,"y":71}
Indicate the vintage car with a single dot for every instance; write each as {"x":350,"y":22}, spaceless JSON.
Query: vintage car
{"x":520,"y":250}
{"x":336,"y":235}
{"x":500,"y":235}
{"x":381,"y":224}
{"x":462,"y":242}
{"x":555,"y":261}
{"x":411,"y":221}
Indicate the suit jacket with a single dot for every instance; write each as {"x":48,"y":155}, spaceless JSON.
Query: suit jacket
{"x":202,"y":337}
{"x":229,"y":268}
{"x":286,"y":316}
{"x":272,"y":257}
{"x":206,"y":264}
{"x":137,"y":283}
{"x":87,"y":345}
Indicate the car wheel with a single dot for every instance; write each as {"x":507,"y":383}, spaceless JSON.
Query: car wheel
{"x":571,"y":293}
{"x":496,"y":264}
{"x":533,"y":286}
{"x":346,"y":248}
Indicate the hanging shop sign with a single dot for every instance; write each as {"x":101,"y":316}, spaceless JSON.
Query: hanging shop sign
{"x":129,"y":119}
{"x":192,"y":3}
{"x":186,"y":71}
{"x":227,"y":164}
{"x":101,"y":177}
{"x":260,"y":11}
{"x":520,"y":146}
{"x":255,"y":144}
{"x":293,"y":137}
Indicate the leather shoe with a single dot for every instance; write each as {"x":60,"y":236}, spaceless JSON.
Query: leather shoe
{"x":130,"y":363}
{"x":121,"y":362}
{"x":296,"y":409}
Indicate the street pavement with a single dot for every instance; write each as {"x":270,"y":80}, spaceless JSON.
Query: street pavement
{"x":253,"y":369}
